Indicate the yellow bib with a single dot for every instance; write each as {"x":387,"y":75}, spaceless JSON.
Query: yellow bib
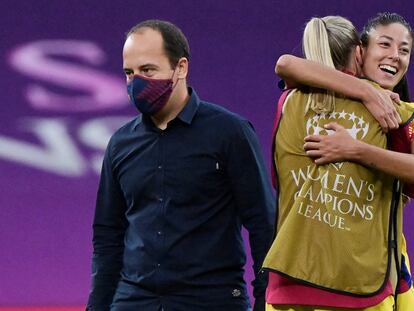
{"x":334,"y":227}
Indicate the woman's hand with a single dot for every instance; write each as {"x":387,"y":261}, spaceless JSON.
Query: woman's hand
{"x":380,"y":104}
{"x":338,"y":146}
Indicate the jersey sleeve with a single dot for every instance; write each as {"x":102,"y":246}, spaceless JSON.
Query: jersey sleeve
{"x":406,"y":111}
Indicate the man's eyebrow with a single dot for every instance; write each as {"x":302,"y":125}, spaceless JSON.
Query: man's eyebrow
{"x":148,"y":65}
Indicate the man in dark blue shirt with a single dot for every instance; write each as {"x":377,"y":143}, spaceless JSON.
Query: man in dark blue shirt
{"x":178,"y":183}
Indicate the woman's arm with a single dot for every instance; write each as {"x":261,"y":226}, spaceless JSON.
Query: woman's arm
{"x":340,"y":146}
{"x":295,"y":70}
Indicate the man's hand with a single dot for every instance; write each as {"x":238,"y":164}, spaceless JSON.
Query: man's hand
{"x":339,"y":146}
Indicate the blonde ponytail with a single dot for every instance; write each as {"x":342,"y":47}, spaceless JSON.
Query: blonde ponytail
{"x":330,"y":41}
{"x":316,"y":48}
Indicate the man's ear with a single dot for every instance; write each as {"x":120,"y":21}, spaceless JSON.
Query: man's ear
{"x":182,"y":68}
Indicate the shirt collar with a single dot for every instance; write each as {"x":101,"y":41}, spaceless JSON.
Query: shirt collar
{"x":188,"y":112}
{"x":186,"y":115}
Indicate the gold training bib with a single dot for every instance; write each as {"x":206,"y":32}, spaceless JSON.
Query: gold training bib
{"x":335,"y":221}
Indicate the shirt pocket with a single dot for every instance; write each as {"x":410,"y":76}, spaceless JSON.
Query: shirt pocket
{"x":197,"y":177}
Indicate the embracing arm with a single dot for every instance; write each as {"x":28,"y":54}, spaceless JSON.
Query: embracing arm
{"x":295,"y":70}
{"x":340,"y":146}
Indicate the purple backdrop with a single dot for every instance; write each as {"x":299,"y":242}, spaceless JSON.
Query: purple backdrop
{"x":63,"y":94}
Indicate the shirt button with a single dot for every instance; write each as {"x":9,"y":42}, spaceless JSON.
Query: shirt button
{"x":159,"y":233}
{"x":158,"y":265}
{"x":160,"y":199}
{"x":159,"y":167}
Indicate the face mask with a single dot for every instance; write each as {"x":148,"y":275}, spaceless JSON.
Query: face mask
{"x":149,"y":95}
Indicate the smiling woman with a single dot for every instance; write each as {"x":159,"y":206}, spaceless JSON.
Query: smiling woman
{"x":386,"y":52}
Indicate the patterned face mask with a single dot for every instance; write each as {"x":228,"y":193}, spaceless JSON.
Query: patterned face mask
{"x":149,"y":95}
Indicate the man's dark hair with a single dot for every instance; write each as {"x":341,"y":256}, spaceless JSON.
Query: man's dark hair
{"x":175,"y":43}
{"x":383,"y":19}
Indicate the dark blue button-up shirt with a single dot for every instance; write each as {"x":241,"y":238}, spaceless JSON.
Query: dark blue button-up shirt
{"x":170,"y":207}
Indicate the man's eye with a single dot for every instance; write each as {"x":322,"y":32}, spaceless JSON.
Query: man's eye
{"x":147,"y":70}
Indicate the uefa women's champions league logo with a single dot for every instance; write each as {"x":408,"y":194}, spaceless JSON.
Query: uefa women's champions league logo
{"x":331,"y":197}
{"x":356,"y":126}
